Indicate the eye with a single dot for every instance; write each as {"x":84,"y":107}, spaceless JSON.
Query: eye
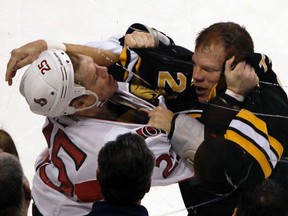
{"x":211,"y":70}
{"x":95,"y":75}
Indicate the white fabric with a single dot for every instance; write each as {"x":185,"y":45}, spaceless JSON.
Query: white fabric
{"x":187,"y":136}
{"x":55,"y":45}
{"x":87,"y":136}
{"x":112,"y":44}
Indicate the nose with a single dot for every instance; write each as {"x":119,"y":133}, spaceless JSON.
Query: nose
{"x":197,"y":73}
{"x":102,"y":71}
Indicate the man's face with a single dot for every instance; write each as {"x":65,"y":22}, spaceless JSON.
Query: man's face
{"x":207,"y":70}
{"x":96,"y":78}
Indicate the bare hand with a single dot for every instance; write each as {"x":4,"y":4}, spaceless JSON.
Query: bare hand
{"x":138,"y":39}
{"x":242,"y":79}
{"x":161,"y":118}
{"x":23,"y":56}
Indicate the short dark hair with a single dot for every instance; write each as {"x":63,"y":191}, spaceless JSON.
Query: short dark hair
{"x":234,"y":38}
{"x":7,"y":144}
{"x":11,"y":184}
{"x":125,"y":169}
{"x":266,"y":199}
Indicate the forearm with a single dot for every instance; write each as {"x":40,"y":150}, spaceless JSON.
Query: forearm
{"x":101,"y":57}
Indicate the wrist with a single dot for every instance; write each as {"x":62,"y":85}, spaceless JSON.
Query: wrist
{"x":55,"y":45}
{"x":237,"y":96}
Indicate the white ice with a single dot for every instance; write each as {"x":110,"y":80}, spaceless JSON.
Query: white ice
{"x":76,"y":21}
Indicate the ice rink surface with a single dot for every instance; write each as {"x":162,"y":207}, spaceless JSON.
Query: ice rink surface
{"x":75,"y":21}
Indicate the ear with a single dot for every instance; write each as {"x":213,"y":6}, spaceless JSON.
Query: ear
{"x":148,"y":187}
{"x":27,"y":190}
{"x":97,"y":170}
{"x":83,"y":101}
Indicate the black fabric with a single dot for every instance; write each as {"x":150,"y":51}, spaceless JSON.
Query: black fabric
{"x":171,"y":59}
{"x":141,"y":27}
{"x":35,"y":210}
{"x":226,"y":108}
{"x":223,"y":166}
{"x":201,"y":201}
{"x":110,"y":209}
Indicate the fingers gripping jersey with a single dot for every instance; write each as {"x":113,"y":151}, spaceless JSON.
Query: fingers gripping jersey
{"x":67,"y":170}
{"x":166,"y":69}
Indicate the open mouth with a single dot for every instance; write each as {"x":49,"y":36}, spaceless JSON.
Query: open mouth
{"x":200,"y":90}
{"x":112,"y":83}
{"x":110,"y":80}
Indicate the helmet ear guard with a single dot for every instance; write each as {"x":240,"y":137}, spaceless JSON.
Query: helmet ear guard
{"x":48,"y":85}
{"x":97,"y":102}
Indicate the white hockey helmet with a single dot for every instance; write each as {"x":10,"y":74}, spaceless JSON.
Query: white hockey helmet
{"x":48,"y":85}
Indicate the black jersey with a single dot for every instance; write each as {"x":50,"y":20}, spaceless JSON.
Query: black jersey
{"x":240,"y":153}
{"x":167,"y":69}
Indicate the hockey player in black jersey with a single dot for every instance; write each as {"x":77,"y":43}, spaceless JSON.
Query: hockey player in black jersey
{"x":245,"y":134}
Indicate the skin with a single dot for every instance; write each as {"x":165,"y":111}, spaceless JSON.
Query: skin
{"x":96,"y":78}
{"x":206,"y":73}
{"x":26,"y":54}
{"x":208,"y":65}
{"x":90,"y":75}
{"x":207,"y":70}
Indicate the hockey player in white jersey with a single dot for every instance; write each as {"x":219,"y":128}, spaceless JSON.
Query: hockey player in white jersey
{"x":66,"y":171}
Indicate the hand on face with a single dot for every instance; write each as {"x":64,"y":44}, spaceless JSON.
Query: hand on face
{"x":242,"y":79}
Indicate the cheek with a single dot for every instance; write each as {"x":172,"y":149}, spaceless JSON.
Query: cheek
{"x":213,"y":78}
{"x":103,"y":92}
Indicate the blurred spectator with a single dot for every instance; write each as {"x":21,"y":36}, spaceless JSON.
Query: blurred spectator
{"x":266,"y":199}
{"x":124,"y":173}
{"x":15,"y":193}
{"x":7,"y":144}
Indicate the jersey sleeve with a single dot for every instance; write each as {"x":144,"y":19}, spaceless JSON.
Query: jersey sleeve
{"x":169,"y":167}
{"x":111,"y":44}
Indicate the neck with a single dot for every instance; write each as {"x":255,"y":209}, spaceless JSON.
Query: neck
{"x":103,"y":112}
{"x":110,"y":111}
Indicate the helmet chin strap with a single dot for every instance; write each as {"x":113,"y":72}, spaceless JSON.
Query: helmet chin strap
{"x":97,"y":102}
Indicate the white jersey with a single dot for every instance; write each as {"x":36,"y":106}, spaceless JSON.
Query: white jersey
{"x":65,"y":181}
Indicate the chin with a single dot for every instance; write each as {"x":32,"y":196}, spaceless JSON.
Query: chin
{"x":203,"y":99}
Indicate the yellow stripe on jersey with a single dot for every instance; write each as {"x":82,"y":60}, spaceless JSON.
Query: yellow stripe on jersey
{"x":265,"y":143}
{"x":137,"y":66}
{"x":123,"y":56}
{"x":251,"y":149}
{"x":261,"y":125}
{"x":250,"y":117}
{"x":195,"y":115}
{"x":123,"y":61}
{"x":276,"y":146}
{"x":213,"y":93}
